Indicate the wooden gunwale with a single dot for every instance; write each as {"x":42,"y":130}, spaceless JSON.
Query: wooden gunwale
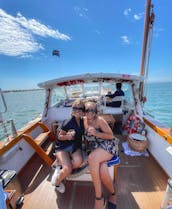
{"x":4,"y":148}
{"x":162,"y":131}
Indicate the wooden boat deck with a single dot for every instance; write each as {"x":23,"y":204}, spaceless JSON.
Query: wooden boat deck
{"x":140,"y":185}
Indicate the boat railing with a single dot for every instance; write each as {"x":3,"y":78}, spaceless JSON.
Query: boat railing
{"x":38,"y":136}
{"x":3,"y":103}
{"x":8,"y":129}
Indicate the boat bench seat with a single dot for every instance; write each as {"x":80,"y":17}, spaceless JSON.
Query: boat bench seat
{"x":83,"y":173}
{"x":115,"y":106}
{"x":114,"y":161}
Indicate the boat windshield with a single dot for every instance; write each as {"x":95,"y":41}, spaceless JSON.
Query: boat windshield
{"x":57,"y":95}
{"x":74,"y":91}
{"x":88,"y":90}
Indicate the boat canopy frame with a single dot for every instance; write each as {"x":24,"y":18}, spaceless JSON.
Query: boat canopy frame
{"x":90,"y":77}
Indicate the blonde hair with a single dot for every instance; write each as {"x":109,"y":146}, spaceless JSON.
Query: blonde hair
{"x":92,"y":102}
{"x":78,"y":102}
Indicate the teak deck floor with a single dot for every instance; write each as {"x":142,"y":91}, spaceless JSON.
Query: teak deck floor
{"x":140,"y":185}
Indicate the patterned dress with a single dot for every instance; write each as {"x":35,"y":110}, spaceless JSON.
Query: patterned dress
{"x":111,"y":146}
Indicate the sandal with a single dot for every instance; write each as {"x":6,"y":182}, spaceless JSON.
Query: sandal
{"x":110,"y":204}
{"x":104,"y":201}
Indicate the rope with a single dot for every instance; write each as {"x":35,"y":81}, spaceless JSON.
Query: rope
{"x":152,"y":16}
{"x":149,"y":49}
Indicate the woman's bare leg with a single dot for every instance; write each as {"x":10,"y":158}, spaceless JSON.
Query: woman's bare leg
{"x":95,"y":159}
{"x":66,"y":163}
{"x":76,"y":159}
{"x":107,"y":181}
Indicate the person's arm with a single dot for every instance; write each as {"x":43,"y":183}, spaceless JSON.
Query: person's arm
{"x":105,"y":128}
{"x":111,"y":95}
{"x":63,"y":135}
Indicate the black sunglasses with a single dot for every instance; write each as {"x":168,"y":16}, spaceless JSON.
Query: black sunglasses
{"x":78,"y":109}
{"x":91,"y":110}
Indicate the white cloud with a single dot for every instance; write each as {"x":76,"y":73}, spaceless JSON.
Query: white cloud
{"x":138,"y":16}
{"x":17,"y":35}
{"x":127,"y":11}
{"x":40,"y":29}
{"x":135,"y":16}
{"x":125,"y":39}
{"x":85,"y":9}
{"x":82,"y":12}
{"x":98,"y":32}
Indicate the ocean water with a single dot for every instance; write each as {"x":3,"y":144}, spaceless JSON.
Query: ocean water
{"x":159,"y":101}
{"x":22,"y":107}
{"x":25,"y":106}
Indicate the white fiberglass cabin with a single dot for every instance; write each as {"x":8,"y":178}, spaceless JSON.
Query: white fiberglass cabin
{"x":60,"y":93}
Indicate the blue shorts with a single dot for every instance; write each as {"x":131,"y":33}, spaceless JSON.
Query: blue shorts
{"x":70,"y":149}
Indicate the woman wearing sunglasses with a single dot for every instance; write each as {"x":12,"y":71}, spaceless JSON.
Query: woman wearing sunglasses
{"x":68,"y":146}
{"x":105,"y":146}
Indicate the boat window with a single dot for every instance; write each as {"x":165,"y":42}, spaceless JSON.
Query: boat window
{"x":108,"y":88}
{"x":74,"y":91}
{"x":58,"y":95}
{"x":91,"y":89}
{"x":126,"y":87}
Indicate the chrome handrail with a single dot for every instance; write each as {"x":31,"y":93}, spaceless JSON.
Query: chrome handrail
{"x":4,"y":102}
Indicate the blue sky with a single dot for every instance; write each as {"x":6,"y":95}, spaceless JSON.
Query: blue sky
{"x":92,"y":36}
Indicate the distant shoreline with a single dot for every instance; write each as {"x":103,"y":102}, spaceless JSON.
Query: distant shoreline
{"x":22,"y":90}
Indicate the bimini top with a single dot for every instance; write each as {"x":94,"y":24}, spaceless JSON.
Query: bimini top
{"x":90,"y":77}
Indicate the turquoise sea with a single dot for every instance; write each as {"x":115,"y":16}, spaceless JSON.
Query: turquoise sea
{"x":159,"y":101}
{"x":25,"y":106}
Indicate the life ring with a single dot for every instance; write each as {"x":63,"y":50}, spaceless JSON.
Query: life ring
{"x":132,"y":124}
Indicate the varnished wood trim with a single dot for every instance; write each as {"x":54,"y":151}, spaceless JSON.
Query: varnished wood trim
{"x":162,"y":131}
{"x":115,"y":172}
{"x":38,"y":149}
{"x":4,"y":148}
{"x":41,"y":138}
{"x":8,"y":146}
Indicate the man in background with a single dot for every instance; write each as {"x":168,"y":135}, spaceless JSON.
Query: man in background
{"x":118,"y":92}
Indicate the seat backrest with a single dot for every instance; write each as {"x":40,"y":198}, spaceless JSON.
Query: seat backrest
{"x":115,"y":106}
{"x":119,"y":99}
